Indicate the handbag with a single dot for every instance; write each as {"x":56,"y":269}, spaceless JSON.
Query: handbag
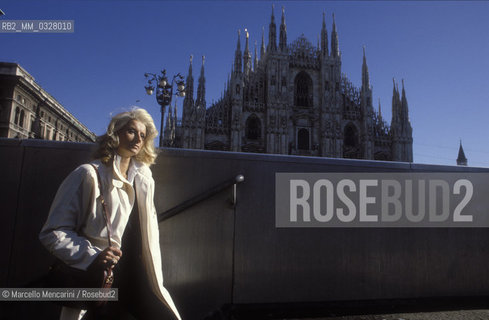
{"x":61,"y":275}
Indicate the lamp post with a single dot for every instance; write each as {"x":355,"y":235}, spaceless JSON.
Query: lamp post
{"x":164,"y":92}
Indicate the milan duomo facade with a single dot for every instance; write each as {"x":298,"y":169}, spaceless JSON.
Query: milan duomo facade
{"x":292,"y":100}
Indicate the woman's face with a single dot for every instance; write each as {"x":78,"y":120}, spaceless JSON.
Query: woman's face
{"x":131,"y":138}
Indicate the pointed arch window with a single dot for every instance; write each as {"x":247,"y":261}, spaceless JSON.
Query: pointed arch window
{"x":303,"y":90}
{"x":253,"y":128}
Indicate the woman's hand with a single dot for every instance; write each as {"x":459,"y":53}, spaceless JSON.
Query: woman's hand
{"x":108,"y":258}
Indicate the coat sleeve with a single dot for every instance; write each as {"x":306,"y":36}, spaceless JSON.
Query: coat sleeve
{"x":60,"y":234}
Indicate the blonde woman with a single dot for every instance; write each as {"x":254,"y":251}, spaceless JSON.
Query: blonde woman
{"x":76,"y":232}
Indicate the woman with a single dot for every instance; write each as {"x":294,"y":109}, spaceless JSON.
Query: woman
{"x":76,"y":232}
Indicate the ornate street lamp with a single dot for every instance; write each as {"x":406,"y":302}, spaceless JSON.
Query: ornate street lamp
{"x":164,"y":92}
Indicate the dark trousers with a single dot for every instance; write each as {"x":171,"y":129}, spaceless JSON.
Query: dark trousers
{"x":136,"y":300}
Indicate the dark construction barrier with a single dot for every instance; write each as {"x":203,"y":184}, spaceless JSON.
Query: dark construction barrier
{"x":218,"y":256}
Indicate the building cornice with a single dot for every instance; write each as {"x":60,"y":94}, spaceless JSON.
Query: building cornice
{"x":28,"y":82}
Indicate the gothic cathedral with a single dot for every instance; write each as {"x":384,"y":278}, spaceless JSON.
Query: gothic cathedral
{"x":292,"y":100}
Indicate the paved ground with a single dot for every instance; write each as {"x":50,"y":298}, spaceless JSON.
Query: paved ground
{"x":449,"y":315}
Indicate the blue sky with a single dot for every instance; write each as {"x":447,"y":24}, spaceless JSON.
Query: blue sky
{"x":439,"y":48}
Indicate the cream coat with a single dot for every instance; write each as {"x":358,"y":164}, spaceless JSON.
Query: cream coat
{"x":75,"y":230}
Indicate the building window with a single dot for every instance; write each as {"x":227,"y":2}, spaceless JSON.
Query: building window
{"x":237,"y":89}
{"x":303,"y":139}
{"x":17,"y":115}
{"x":253,"y":128}
{"x":303,"y":90}
{"x":21,"y":120}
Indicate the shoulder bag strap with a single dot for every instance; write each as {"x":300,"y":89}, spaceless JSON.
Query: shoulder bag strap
{"x":104,"y":207}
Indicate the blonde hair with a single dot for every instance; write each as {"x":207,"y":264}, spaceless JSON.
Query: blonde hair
{"x":108,"y":143}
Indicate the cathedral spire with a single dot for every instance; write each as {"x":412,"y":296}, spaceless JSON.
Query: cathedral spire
{"x":200,"y":101}
{"x":401,"y":130}
{"x":228,"y":84}
{"x":283,"y":33}
{"x":324,"y":37}
{"x":404,"y":105}
{"x":365,"y":76}
{"x":395,"y":104}
{"x":237,"y":56}
{"x":255,"y":63}
{"x":461,"y":159}
{"x":174,"y":123}
{"x":169,"y":118}
{"x":380,"y":111}
{"x":175,"y":115}
{"x":247,"y":44}
{"x":168,"y":128}
{"x":262,"y":49}
{"x":272,"y":33}
{"x":335,"y":51}
{"x":202,"y":67}
{"x":188,"y":101}
{"x":189,"y":87}
{"x":190,"y":66}
{"x":247,"y":55}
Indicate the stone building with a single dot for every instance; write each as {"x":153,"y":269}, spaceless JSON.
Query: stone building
{"x":293,"y":99}
{"x":28,"y":111}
